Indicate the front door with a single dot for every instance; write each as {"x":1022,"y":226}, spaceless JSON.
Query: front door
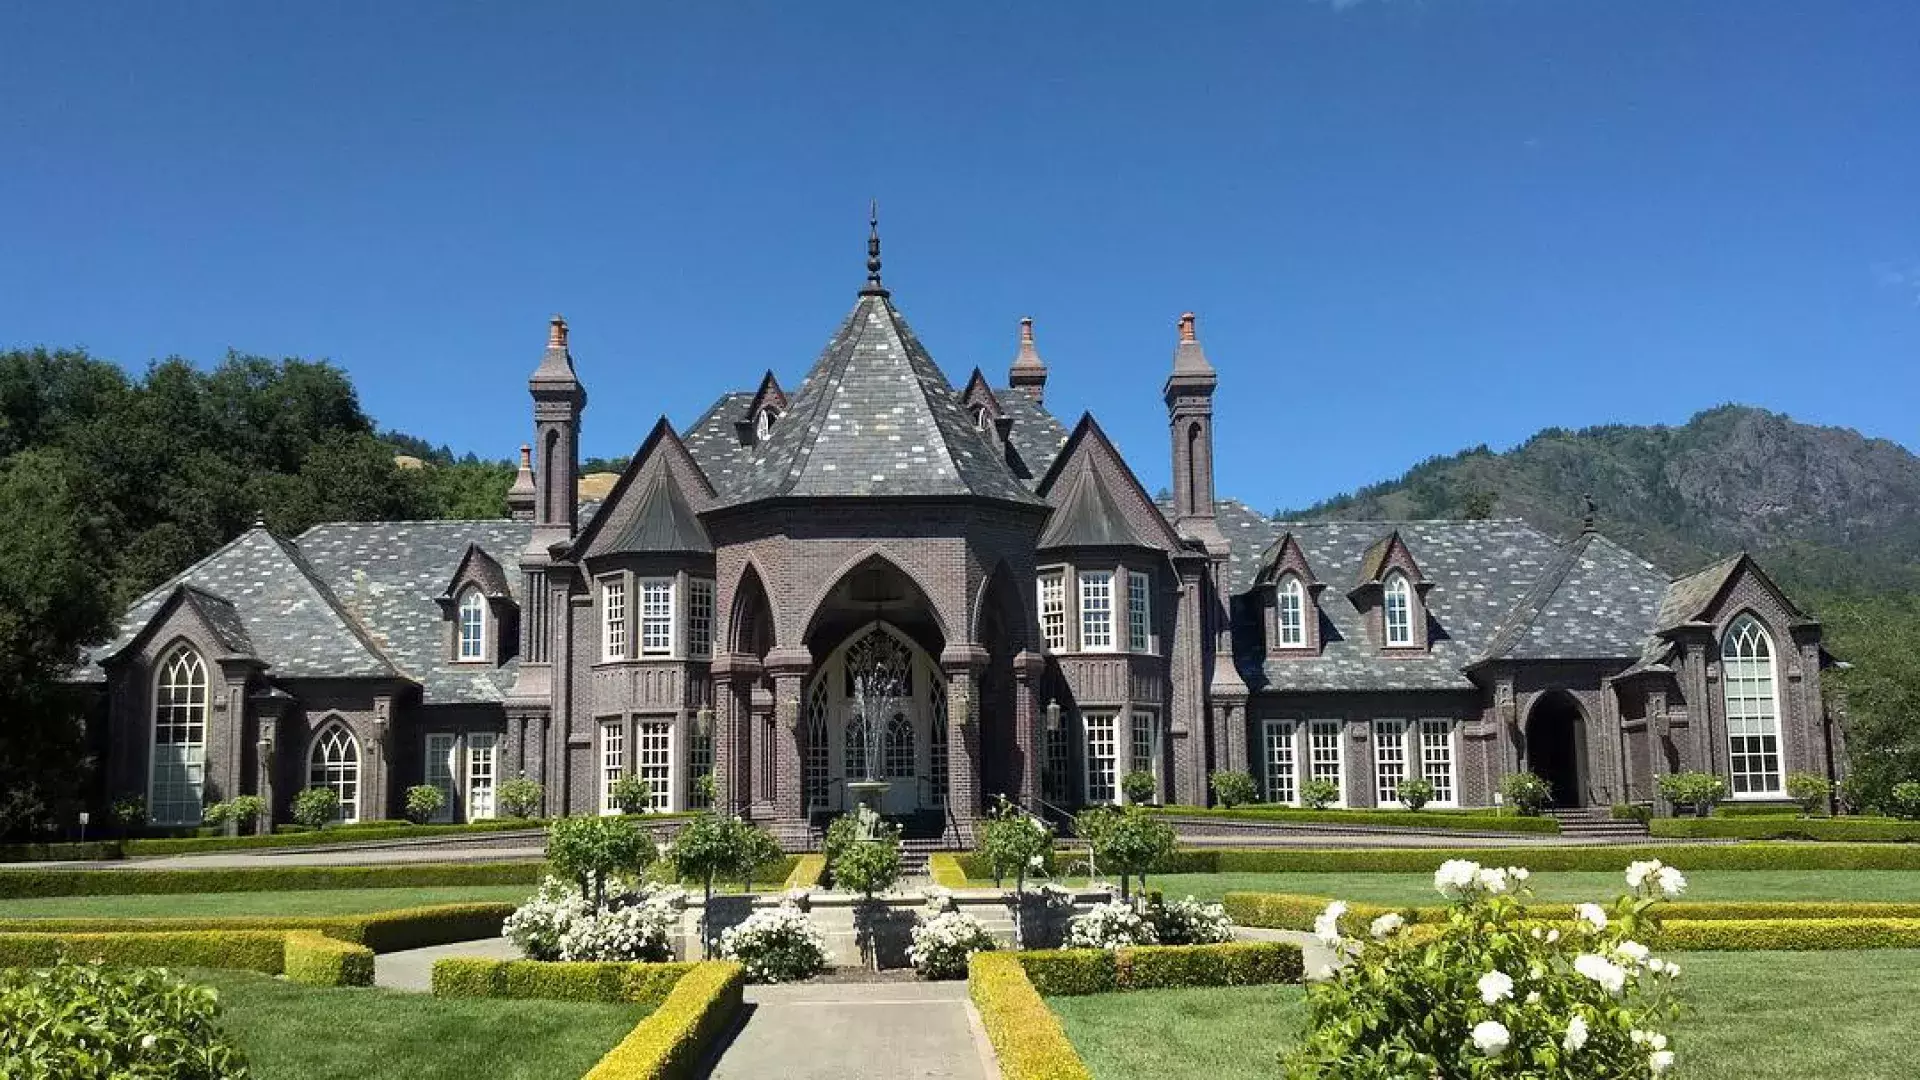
{"x":880,"y":672}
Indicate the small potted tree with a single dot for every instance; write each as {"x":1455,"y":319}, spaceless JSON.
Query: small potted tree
{"x":424,"y":801}
{"x":1233,"y":787}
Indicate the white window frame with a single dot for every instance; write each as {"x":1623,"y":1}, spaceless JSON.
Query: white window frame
{"x":1145,"y":751}
{"x":656,"y":622}
{"x":182,"y":702}
{"x":1100,"y":772}
{"x":1291,"y":598}
{"x":653,"y":761}
{"x":700,"y":618}
{"x":1139,"y":612}
{"x":614,"y":639}
{"x":1053,"y":610}
{"x":482,"y":774}
{"x":1095,"y":589}
{"x":441,"y":769}
{"x":324,"y":735}
{"x":472,"y":604}
{"x":613,"y":762}
{"x":1750,"y":682}
{"x":1447,"y":793}
{"x":1280,"y":761}
{"x":763,"y":423}
{"x":1324,"y":735}
{"x":1397,"y":588}
{"x":1389,"y":770}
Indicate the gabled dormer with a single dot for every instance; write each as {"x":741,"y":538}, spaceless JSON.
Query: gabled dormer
{"x":1289,"y":597}
{"x":477,"y":606}
{"x":984,"y":409}
{"x":1391,"y":596}
{"x":769,"y":404}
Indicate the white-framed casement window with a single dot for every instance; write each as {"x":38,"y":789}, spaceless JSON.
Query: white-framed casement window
{"x":1748,"y":688}
{"x":1145,"y":747}
{"x":1436,"y":760}
{"x":334,"y":763}
{"x":1096,"y":610}
{"x":613,"y":618}
{"x":613,"y":762}
{"x":1277,"y":762}
{"x":656,"y":616}
{"x":473,"y":625}
{"x":700,"y":618}
{"x":1398,"y":609}
{"x":482,"y":770}
{"x":442,"y":766}
{"x":1326,"y":756}
{"x":178,"y":776}
{"x":1139,"y":611}
{"x":653,"y":762}
{"x":1102,"y":764}
{"x":1389,"y":760}
{"x":1291,"y":613}
{"x":1053,"y":610}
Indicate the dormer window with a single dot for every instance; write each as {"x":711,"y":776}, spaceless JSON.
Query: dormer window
{"x":980,"y":419}
{"x":1398,"y":610}
{"x":763,"y":424}
{"x":1291,"y":613}
{"x":473,"y":626}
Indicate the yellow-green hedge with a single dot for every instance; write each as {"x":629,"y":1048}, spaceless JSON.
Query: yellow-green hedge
{"x":1424,"y":820}
{"x":246,"y":950}
{"x":1074,"y":972}
{"x":19,"y":884}
{"x":1804,"y":935}
{"x":384,"y":931}
{"x":1290,"y":911}
{"x":1287,"y":911}
{"x":1785,"y":827}
{"x":645,"y":984}
{"x":945,"y":869}
{"x":807,"y":872}
{"x":1026,"y":1036}
{"x":675,"y":1038}
{"x":317,"y":960}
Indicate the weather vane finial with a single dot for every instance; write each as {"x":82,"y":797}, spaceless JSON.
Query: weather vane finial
{"x":873,"y":246}
{"x":1592,"y":511}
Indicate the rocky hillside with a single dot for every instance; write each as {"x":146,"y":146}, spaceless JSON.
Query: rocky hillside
{"x":1824,"y":507}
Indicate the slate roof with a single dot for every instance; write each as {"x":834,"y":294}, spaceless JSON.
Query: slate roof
{"x":876,"y":417}
{"x":1596,"y":599}
{"x":1037,"y":435}
{"x":715,"y":445}
{"x":221,"y":617}
{"x":285,"y":611}
{"x":1693,"y":592}
{"x":662,"y":522}
{"x":388,"y":574}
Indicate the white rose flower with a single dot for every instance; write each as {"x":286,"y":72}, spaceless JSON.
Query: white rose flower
{"x":1495,"y":986}
{"x":147,"y":1041}
{"x":1632,"y":950}
{"x":1036,"y":862}
{"x":1576,"y":1036}
{"x":1671,"y":881}
{"x":1386,"y":925}
{"x":1519,"y":873}
{"x":1639,"y":872}
{"x":1491,"y":1037}
{"x":1492,"y":880}
{"x":1456,"y":878}
{"x":1327,"y":926}
{"x":1553,"y":935}
{"x":1594,"y":916}
{"x":1611,"y":976}
{"x":1660,"y":1061}
{"x":1533,"y":997}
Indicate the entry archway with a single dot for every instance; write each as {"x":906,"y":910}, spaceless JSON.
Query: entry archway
{"x":1556,"y":745}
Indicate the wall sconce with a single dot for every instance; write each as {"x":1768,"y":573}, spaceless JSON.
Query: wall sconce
{"x":1053,"y":717}
{"x":703,"y":721}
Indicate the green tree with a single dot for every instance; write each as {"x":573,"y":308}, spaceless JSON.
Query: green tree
{"x":1129,"y":842}
{"x":589,"y":850}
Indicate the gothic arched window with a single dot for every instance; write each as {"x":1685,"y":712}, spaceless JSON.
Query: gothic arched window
{"x":1292,"y":613}
{"x":899,"y":748}
{"x":1399,"y":610}
{"x":473,"y":626}
{"x":1749,"y":690}
{"x":334,"y":763}
{"x":179,"y":739}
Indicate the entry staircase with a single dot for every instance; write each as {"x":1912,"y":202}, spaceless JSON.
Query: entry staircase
{"x":1596,"y":823}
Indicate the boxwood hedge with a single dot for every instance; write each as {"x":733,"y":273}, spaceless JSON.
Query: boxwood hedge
{"x":646,"y":984}
{"x":1287,"y":911}
{"x":386,"y":931}
{"x":247,"y":950}
{"x":317,"y":960}
{"x":18,"y":884}
{"x":1787,"y":827}
{"x":1433,"y":820}
{"x":673,"y":1040}
{"x":1026,"y":1035}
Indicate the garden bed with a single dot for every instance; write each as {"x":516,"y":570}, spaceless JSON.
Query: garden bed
{"x":1366,"y":818}
{"x":1787,"y":827}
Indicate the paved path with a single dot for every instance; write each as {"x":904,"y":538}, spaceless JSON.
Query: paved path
{"x":412,"y":969}
{"x":856,"y":1031}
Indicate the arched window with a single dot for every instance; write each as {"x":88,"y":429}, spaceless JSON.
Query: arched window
{"x":1747,"y":682}
{"x":855,"y":757}
{"x":179,"y":739}
{"x":1399,"y":610}
{"x":899,"y":748}
{"x":937,"y":740}
{"x":1292,"y":612}
{"x":335,"y":763}
{"x":980,"y":418}
{"x":473,"y":625}
{"x":763,"y":424}
{"x":814,"y":777}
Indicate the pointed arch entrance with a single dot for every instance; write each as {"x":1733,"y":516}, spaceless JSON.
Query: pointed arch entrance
{"x":1556,"y":746}
{"x":876,"y":709}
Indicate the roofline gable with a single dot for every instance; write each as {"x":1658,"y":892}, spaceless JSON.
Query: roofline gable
{"x":1089,"y":428}
{"x":661,"y":435}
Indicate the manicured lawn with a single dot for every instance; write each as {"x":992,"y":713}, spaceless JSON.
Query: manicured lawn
{"x":303,"y":902}
{"x":1417,"y":889}
{"x":294,"y":1032}
{"x":1751,"y":1016}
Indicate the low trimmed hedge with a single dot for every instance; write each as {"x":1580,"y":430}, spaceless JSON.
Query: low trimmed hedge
{"x":645,"y":984}
{"x":673,"y":1040}
{"x":1288,"y":911}
{"x":1075,"y":972}
{"x":1291,"y":911}
{"x":947,"y":870}
{"x":333,"y":834}
{"x":22,"y":884}
{"x":315,"y":959}
{"x":385,"y":931}
{"x":1787,"y":827}
{"x":246,"y":950}
{"x":1734,"y":810}
{"x":1803,"y":935}
{"x":91,"y":851}
{"x":807,"y":872}
{"x":1436,"y":820}
{"x":1026,"y":1035}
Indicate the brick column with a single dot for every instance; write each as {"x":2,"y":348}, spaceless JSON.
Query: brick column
{"x":789,"y":671}
{"x":962,"y":663}
{"x":264,"y":753}
{"x":734,"y":677}
{"x":1029,"y":753}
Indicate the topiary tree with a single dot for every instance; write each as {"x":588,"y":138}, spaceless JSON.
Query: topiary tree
{"x":1013,"y":843}
{"x":758,"y":849}
{"x":1696,"y":790}
{"x":1414,"y":794}
{"x":1233,"y":787}
{"x":519,"y":797}
{"x":1811,"y":790}
{"x":707,"y":848}
{"x":631,"y":794}
{"x":424,"y":801}
{"x":842,"y":833}
{"x":1319,"y":793}
{"x":248,"y":810}
{"x":587,"y":850}
{"x":1526,"y":792}
{"x":1128,"y":842}
{"x":1139,"y":786}
{"x":316,"y":807}
{"x":869,"y":867}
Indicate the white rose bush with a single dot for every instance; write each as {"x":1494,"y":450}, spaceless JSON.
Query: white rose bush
{"x":1111,"y":925}
{"x":943,"y":942}
{"x":776,"y":945}
{"x":1494,"y":992}
{"x":559,"y":923}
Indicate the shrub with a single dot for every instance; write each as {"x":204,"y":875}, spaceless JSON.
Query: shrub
{"x":776,"y":945}
{"x":216,"y":813}
{"x":869,"y":866}
{"x":1811,"y":790}
{"x":473,"y":977}
{"x":588,"y":850}
{"x":632,"y":794}
{"x":424,"y":801}
{"x":519,"y":797}
{"x":315,"y":959}
{"x":1190,"y":922}
{"x":1526,"y":792}
{"x":1014,"y":844}
{"x":1904,"y":801}
{"x":841,"y":834}
{"x":1233,"y":787}
{"x":1694,"y":790}
{"x":1072,"y":972}
{"x":1139,"y":786}
{"x":1247,"y":963}
{"x":1109,"y":926}
{"x":1026,"y":1035}
{"x":1486,"y":994}
{"x":758,"y":851}
{"x":943,"y":944}
{"x":1319,"y":793}
{"x":1631,"y":812}
{"x":710,"y":846}
{"x":674,"y":1039}
{"x":74,"y":1020}
{"x":248,"y":811}
{"x":559,"y":923}
{"x":129,"y":811}
{"x":316,"y":806}
{"x":1415,"y":793}
{"x":1128,"y":842}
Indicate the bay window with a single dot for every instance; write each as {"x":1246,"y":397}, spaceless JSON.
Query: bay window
{"x":656,"y":616}
{"x":1053,"y":611}
{"x":1139,"y":612}
{"x":1096,"y":610}
{"x":613,"y":618}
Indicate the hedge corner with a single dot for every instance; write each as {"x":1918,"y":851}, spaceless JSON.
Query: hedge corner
{"x":314,"y":959}
{"x":1026,"y":1035}
{"x":674,"y":1040}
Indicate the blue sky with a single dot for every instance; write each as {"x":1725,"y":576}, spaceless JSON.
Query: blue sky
{"x":1408,"y":226}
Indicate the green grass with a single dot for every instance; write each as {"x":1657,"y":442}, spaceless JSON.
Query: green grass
{"x":294,"y":1032}
{"x":303,"y":902}
{"x":1751,"y":1016}
{"x":1417,"y":889}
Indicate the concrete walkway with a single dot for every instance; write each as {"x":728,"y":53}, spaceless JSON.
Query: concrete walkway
{"x":412,"y":969}
{"x":856,"y":1031}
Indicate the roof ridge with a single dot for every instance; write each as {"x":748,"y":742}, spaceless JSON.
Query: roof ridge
{"x":348,"y":617}
{"x":1534,"y":602}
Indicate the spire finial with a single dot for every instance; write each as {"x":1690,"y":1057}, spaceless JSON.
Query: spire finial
{"x":1026,"y":330}
{"x":873,"y":250}
{"x":526,"y":456}
{"x":1592,"y":512}
{"x":556,"y":333}
{"x":1029,"y":372}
